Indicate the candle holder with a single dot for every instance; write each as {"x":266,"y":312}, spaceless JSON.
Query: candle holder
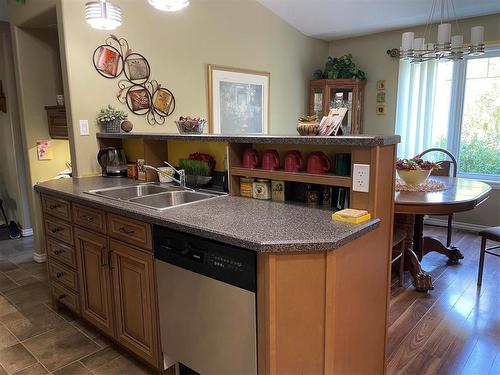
{"x":476,"y":50}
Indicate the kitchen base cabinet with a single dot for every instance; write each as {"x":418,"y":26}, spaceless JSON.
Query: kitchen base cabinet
{"x":135,"y":300}
{"x":94,"y":275}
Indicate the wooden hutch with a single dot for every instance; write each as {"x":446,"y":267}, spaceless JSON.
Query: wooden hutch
{"x":322,"y":95}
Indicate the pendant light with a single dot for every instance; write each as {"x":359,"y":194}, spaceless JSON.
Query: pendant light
{"x":169,"y":5}
{"x":103,"y":15}
{"x":447,"y":46}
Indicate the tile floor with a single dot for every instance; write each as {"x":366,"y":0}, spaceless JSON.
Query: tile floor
{"x":35,"y":339}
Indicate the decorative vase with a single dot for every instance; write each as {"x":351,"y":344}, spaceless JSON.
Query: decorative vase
{"x":414,"y":176}
{"x":308,"y":128}
{"x":111,"y":126}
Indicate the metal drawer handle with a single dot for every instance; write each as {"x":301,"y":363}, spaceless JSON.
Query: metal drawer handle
{"x":88,"y":218}
{"x":55,"y":230}
{"x":125,"y":231}
{"x":62,"y":296}
{"x":58,"y":252}
{"x":59,"y":274}
{"x":54,"y":206}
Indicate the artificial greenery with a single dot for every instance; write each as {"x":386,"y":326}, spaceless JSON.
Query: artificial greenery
{"x":110,"y":114}
{"x":340,"y":67}
{"x":195,"y":167}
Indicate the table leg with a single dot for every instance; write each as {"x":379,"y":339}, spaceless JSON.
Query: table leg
{"x":433,"y":244}
{"x":422,"y":281}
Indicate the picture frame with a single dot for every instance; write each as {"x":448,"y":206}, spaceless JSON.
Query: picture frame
{"x":380,"y":109}
{"x":238,"y":100}
{"x":381,"y":85}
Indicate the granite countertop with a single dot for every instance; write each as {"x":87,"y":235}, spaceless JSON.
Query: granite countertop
{"x":258,"y":225}
{"x":349,"y":140}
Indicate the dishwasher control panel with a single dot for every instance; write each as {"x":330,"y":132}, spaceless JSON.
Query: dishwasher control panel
{"x":226,"y":263}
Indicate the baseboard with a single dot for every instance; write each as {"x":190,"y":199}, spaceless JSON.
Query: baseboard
{"x":456,"y":224}
{"x":28,"y":232}
{"x":39,"y":258}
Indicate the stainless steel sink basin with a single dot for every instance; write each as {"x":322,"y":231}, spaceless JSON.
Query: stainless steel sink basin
{"x":153,"y":196}
{"x":129,"y":192}
{"x":170,"y":199}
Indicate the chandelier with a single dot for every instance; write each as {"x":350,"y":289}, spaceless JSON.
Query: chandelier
{"x":169,"y":5}
{"x":447,"y":46}
{"x":103,"y":15}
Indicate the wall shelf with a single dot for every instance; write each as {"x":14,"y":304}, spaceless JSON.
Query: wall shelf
{"x":280,"y":175}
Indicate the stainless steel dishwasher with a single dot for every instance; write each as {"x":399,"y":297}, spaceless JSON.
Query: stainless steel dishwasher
{"x":207,"y":305}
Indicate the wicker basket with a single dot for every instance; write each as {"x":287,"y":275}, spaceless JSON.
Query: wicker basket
{"x":111,"y":127}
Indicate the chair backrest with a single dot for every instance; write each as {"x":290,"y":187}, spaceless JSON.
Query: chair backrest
{"x":445,"y":165}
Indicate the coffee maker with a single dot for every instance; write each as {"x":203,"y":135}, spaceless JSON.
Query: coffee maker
{"x":113,"y":162}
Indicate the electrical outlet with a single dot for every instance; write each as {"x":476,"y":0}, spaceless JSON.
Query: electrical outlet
{"x":361,"y":178}
{"x":84,"y":127}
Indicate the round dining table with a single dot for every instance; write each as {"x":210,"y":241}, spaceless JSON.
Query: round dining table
{"x":410,"y":207}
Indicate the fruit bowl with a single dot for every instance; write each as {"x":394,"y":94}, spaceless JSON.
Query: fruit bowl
{"x":188,"y":125}
{"x":414,"y":176}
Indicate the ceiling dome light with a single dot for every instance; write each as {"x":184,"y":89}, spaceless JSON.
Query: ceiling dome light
{"x":169,"y":5}
{"x":103,"y":15}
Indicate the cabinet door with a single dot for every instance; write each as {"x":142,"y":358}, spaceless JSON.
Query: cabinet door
{"x":95,"y":283}
{"x":135,"y":300}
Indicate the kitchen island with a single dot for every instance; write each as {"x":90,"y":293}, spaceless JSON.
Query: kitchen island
{"x":322,"y":286}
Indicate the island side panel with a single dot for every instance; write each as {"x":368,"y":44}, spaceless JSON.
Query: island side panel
{"x":291,"y":312}
{"x":358,"y":281}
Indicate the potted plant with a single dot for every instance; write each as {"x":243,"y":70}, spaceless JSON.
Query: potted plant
{"x":110,"y":119}
{"x":415,"y":171}
{"x":340,"y":68}
{"x":198,"y":172}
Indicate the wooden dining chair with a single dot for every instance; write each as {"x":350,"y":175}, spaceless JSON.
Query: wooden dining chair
{"x":398,"y":252}
{"x":492,"y":234}
{"x":444,"y":170}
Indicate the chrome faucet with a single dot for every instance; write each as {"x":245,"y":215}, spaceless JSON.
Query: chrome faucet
{"x":182,"y":174}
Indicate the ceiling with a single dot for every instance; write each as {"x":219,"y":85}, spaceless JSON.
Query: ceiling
{"x":338,"y":19}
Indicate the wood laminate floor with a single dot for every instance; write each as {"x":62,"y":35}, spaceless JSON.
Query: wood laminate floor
{"x":454,"y":329}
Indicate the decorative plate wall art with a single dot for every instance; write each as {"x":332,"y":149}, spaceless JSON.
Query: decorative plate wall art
{"x":142,"y":95}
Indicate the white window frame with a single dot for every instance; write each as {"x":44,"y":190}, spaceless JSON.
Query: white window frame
{"x":457,"y":110}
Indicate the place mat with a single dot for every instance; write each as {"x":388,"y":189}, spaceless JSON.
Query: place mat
{"x":427,"y":186}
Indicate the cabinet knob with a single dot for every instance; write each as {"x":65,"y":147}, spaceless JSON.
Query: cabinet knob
{"x":59,"y":274}
{"x":55,"y":230}
{"x":58,"y":252}
{"x":54,"y":206}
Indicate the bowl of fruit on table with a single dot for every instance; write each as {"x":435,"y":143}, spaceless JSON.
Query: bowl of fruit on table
{"x":414,"y":171}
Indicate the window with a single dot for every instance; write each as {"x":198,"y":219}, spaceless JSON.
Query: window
{"x":464,"y":116}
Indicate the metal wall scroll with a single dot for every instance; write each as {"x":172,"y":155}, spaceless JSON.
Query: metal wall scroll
{"x":142,"y":95}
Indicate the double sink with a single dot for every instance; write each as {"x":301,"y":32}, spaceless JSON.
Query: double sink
{"x":158,"y":197}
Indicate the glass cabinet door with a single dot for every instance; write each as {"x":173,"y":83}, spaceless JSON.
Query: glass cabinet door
{"x":343,"y":97}
{"x":317,"y":101}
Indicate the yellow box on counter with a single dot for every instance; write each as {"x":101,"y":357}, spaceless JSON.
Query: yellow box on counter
{"x":350,"y":215}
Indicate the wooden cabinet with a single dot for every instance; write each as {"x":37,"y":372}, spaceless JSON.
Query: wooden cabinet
{"x":94,"y":275}
{"x":135,"y":300}
{"x":322,"y":94}
{"x":109,"y":283}
{"x":56,"y":119}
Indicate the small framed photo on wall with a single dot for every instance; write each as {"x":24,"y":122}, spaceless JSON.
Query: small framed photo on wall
{"x":238,"y":100}
{"x":381,"y":85}
{"x":380,"y":109}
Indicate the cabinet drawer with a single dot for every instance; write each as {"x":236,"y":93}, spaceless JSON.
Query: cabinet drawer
{"x":62,"y":253}
{"x":63,"y":275}
{"x":59,"y":230}
{"x":65,"y":296}
{"x":90,"y":218}
{"x":129,"y":230}
{"x":56,"y":207}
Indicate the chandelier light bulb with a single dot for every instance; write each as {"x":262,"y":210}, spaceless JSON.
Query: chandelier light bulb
{"x":103,"y":15}
{"x":169,"y":5}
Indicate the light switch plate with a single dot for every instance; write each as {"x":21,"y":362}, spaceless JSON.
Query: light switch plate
{"x":361,"y":178}
{"x":84,"y":127}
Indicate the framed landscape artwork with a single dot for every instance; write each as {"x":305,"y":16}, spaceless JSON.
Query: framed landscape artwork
{"x":238,"y":100}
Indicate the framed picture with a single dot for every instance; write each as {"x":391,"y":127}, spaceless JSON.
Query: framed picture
{"x":138,"y":99}
{"x":238,"y":100}
{"x":381,"y":85}
{"x":44,"y":150}
{"x":108,"y":59}
{"x":381,"y":97}
{"x":137,"y":67}
{"x":380,"y":109}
